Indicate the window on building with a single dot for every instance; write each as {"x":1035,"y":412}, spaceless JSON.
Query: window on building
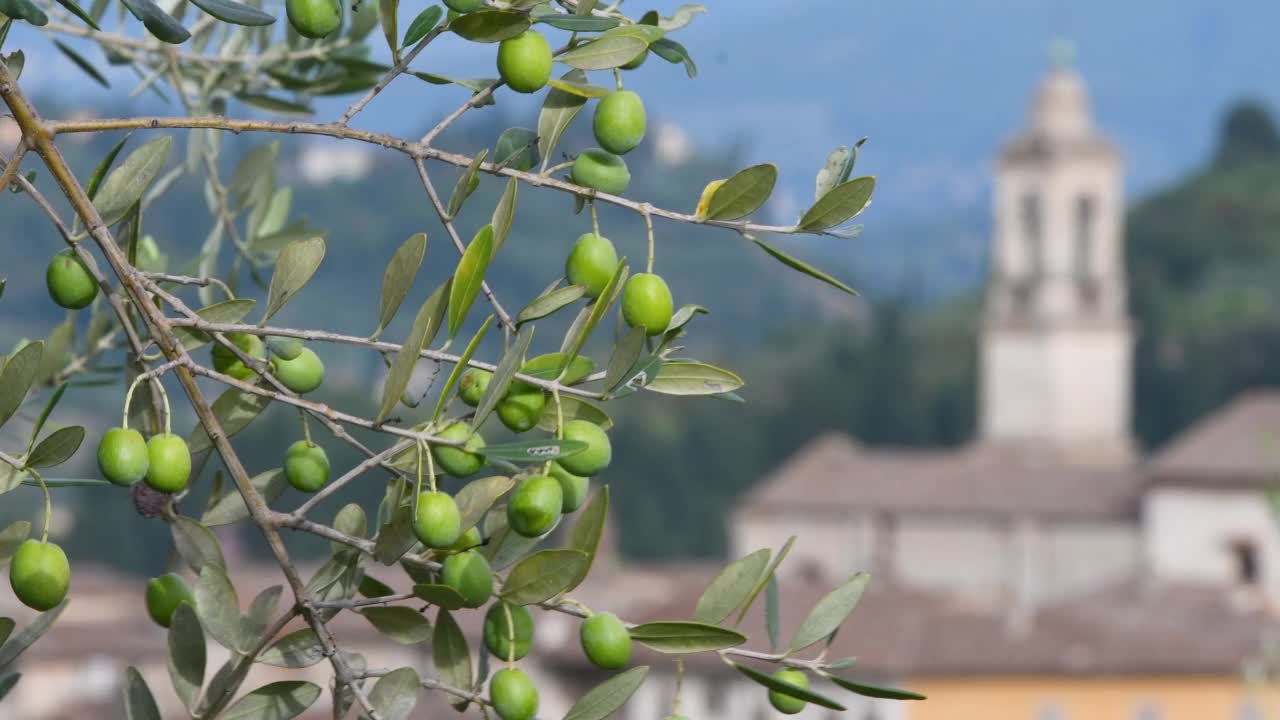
{"x":1033,"y":231}
{"x":1244,"y":554}
{"x":1082,"y":257}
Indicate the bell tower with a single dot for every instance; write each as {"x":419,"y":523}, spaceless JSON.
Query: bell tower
{"x":1056,"y":351}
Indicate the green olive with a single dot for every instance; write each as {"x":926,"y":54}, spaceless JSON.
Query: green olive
{"x":437,"y":522}
{"x":314,"y":18}
{"x":39,"y":574}
{"x":468,"y":573}
{"x":472,"y":385}
{"x":534,"y":507}
{"x":596,"y":168}
{"x":573,"y":487}
{"x":497,"y":633}
{"x":591,"y":263}
{"x":646,"y":303}
{"x":168,"y":463}
{"x":302,"y":374}
{"x":164,"y":595}
{"x":605,"y":641}
{"x":596,"y":457}
{"x":619,"y":122}
{"x":464,"y":6}
{"x":468,"y":540}
{"x":463,"y":461}
{"x":70,"y":283}
{"x":524,"y":61}
{"x":513,"y":695}
{"x":522,"y":406}
{"x":306,"y":466}
{"x":226,"y":362}
{"x":783,"y":702}
{"x":123,"y":456}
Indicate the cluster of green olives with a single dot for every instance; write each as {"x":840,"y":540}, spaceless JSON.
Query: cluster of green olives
{"x":301,"y":374}
{"x":164,"y":461}
{"x":646,"y":299}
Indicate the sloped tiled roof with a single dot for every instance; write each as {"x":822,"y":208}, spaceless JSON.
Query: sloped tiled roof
{"x":834,"y":472}
{"x":1238,"y":444}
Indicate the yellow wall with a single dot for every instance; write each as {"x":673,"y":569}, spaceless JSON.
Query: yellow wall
{"x":1110,"y":698}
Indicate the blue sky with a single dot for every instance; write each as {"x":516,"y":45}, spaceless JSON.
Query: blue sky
{"x":936,"y":85}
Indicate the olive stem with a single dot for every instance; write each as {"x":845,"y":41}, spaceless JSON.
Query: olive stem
{"x":595,"y":219}
{"x":306,"y":427}
{"x":675,"y":701}
{"x":417,"y":486}
{"x":645,"y":210}
{"x":560,"y":166}
{"x":617,"y":78}
{"x":48,"y":505}
{"x":431,"y":464}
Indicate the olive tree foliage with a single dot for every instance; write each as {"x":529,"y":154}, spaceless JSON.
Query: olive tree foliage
{"x":487,"y":547}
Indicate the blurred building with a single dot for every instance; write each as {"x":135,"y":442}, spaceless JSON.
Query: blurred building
{"x":1046,"y":571}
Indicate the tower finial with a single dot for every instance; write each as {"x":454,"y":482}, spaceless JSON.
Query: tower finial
{"x":1062,"y":52}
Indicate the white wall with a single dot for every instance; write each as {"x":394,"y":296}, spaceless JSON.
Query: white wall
{"x":836,"y":544}
{"x":956,"y":553}
{"x":1189,"y":532}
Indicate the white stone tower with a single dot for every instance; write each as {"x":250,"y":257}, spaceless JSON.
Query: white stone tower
{"x":1056,"y":343}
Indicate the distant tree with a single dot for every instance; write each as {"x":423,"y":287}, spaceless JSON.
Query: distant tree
{"x":1248,"y":134}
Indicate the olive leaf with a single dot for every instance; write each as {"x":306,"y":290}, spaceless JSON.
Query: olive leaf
{"x":298,"y":649}
{"x":424,"y":23}
{"x":79,"y":61}
{"x":6,"y":629}
{"x":388,"y":12}
{"x":397,"y":279}
{"x":468,"y":277}
{"x":9,"y":679}
{"x":277,"y":701}
{"x":234,"y":409}
{"x":827,"y":616}
{"x":295,"y":265}
{"x":550,"y":302}
{"x":57,"y":448}
{"x":11,"y":537}
{"x":533,"y":450}
{"x":24,"y":10}
{"x":743,"y":193}
{"x":395,"y":694}
{"x":577,"y":23}
{"x":772,"y":611}
{"x":396,"y":537}
{"x":467,"y":183}
{"x":787,"y":688}
{"x":558,"y":111}
{"x":17,"y":376}
{"x":442,"y":596}
{"x":675,"y":53}
{"x":803,"y":267}
{"x":511,"y":361}
{"x":490,"y":26}
{"x":139,"y":703}
{"x":229,"y":507}
{"x":517,"y":148}
{"x":261,"y":610}
{"x":686,"y":377}
{"x":235,"y":13}
{"x":352,"y":521}
{"x":99,"y":172}
{"x":477,"y":496}
{"x":218,"y":607}
{"x":505,"y":212}
{"x":285,"y":348}
{"x":157,"y":21}
{"x":602,"y":700}
{"x":839,"y":204}
{"x":125,"y":185}
{"x":18,"y":644}
{"x":186,"y":658}
{"x":837,"y":170}
{"x":874,"y":691}
{"x":584,"y":90}
{"x":425,"y":327}
{"x":588,"y":530}
{"x":402,"y":624}
{"x":227,"y":311}
{"x":49,"y":405}
{"x":196,"y":544}
{"x":614,"y":48}
{"x":449,"y":652}
{"x":731,"y":587}
{"x":543,"y":575}
{"x":54,"y":357}
{"x":598,"y":308}
{"x":681,"y":637}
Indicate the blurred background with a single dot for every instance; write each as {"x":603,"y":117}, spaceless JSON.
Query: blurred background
{"x":1046,"y":425}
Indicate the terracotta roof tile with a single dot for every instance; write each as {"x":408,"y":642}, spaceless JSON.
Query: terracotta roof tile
{"x":1237,"y":444}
